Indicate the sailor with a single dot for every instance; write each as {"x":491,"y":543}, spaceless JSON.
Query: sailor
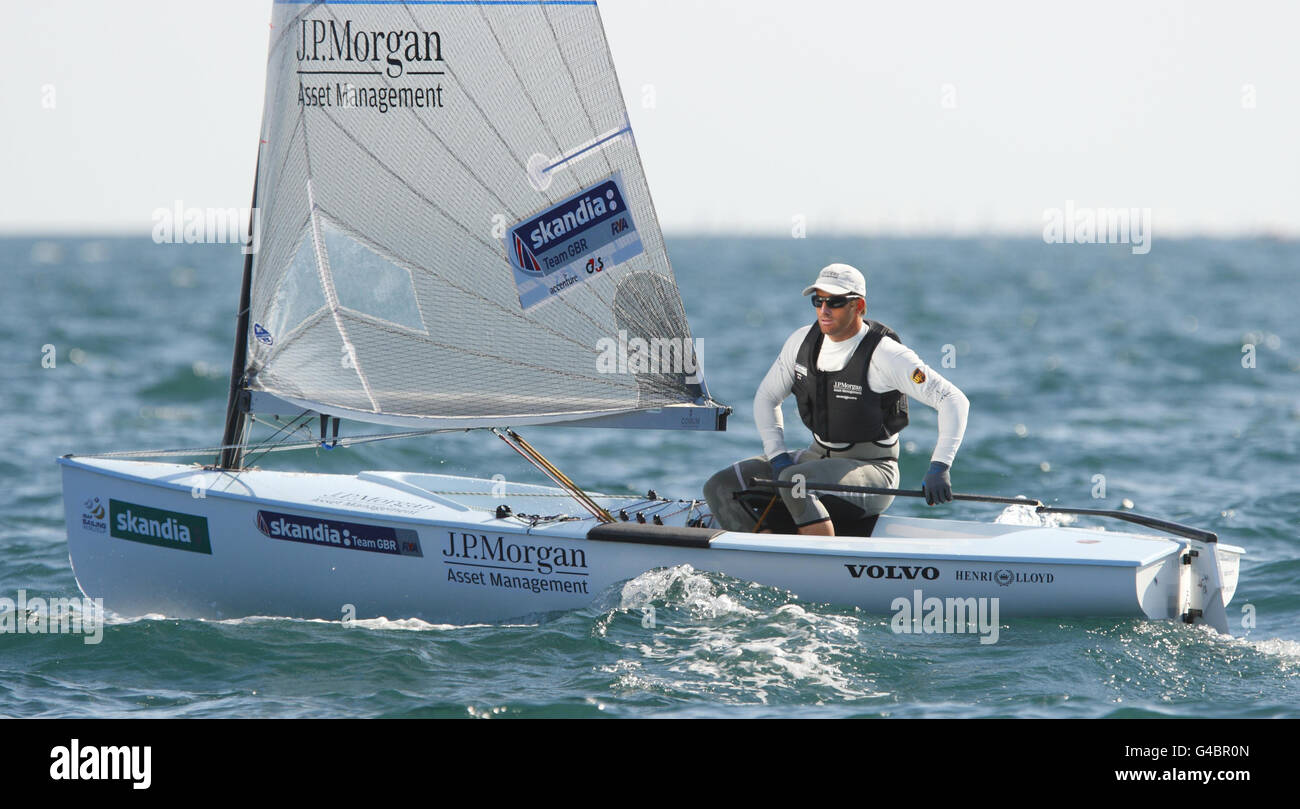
{"x":851,"y":378}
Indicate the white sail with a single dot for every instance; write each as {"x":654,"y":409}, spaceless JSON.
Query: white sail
{"x":454,"y":226}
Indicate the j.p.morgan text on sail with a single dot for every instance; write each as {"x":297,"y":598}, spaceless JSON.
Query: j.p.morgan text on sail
{"x":335,"y":41}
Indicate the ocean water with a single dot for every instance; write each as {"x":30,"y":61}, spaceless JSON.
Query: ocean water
{"x":1175,"y":376}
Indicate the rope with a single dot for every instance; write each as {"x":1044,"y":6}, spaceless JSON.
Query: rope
{"x":557,"y":493}
{"x":284,"y":447}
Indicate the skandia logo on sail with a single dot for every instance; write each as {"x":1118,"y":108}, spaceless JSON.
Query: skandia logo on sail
{"x":574,"y":215}
{"x":573,"y":240}
{"x":155,"y":526}
{"x":338,"y":534}
{"x":339,"y":41}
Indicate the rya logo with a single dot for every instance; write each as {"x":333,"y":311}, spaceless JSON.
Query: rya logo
{"x":262,"y":335}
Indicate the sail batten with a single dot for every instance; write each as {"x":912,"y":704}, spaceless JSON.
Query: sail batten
{"x":411,"y":263}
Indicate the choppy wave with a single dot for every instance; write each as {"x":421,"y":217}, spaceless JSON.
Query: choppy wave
{"x":1096,"y":378}
{"x":730,"y":641}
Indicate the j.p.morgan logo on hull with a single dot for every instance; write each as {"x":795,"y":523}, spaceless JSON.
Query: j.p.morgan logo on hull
{"x":154,"y":526}
{"x":893,"y":572}
{"x":336,"y":534}
{"x":543,"y":559}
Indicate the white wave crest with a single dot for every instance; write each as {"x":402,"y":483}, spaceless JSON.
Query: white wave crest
{"x":766,"y":656}
{"x":681,"y":585}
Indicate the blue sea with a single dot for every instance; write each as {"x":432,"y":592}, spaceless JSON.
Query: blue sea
{"x":1172,"y":379}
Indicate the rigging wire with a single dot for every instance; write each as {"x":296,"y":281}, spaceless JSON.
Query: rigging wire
{"x":265,"y":444}
{"x":283,"y":447}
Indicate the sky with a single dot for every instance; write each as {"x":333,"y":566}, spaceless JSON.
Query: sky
{"x":949,"y":118}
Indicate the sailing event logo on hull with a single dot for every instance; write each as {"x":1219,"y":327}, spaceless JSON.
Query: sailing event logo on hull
{"x":92,"y":516}
{"x":154,"y":526}
{"x":337,"y":534}
{"x":572,"y":241}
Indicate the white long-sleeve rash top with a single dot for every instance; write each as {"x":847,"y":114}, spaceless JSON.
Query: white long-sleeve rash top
{"x":892,"y":367}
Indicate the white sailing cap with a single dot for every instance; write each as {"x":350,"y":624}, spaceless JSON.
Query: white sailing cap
{"x":839,"y":279}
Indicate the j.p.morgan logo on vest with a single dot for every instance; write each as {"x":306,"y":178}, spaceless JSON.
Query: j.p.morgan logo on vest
{"x":846,"y":390}
{"x":154,"y":526}
{"x":336,"y":534}
{"x":905,"y":572}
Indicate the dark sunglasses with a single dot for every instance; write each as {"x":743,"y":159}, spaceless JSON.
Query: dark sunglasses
{"x":833,"y":301}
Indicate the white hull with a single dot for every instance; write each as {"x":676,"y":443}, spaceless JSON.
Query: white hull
{"x":269,"y":552}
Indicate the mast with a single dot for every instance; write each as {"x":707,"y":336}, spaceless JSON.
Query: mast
{"x":232,"y":456}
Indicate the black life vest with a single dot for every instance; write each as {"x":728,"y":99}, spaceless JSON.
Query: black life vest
{"x":839,"y":406}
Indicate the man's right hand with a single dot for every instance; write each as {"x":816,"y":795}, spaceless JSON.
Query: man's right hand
{"x":780,"y":463}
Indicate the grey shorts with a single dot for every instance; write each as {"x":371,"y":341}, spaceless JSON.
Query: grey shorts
{"x":860,"y":465}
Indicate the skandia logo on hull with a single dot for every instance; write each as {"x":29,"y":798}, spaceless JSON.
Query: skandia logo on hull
{"x":339,"y":41}
{"x":338,"y":534}
{"x":155,"y":526}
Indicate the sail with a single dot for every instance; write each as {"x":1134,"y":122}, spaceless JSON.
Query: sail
{"x":453,"y":224}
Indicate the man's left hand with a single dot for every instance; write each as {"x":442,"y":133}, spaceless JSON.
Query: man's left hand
{"x":937,"y":485}
{"x":780,"y":463}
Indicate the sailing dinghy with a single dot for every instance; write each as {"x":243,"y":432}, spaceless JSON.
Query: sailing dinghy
{"x":455,"y":232}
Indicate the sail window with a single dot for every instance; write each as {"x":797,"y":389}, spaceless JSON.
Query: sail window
{"x":367,"y":282}
{"x":299,"y":294}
